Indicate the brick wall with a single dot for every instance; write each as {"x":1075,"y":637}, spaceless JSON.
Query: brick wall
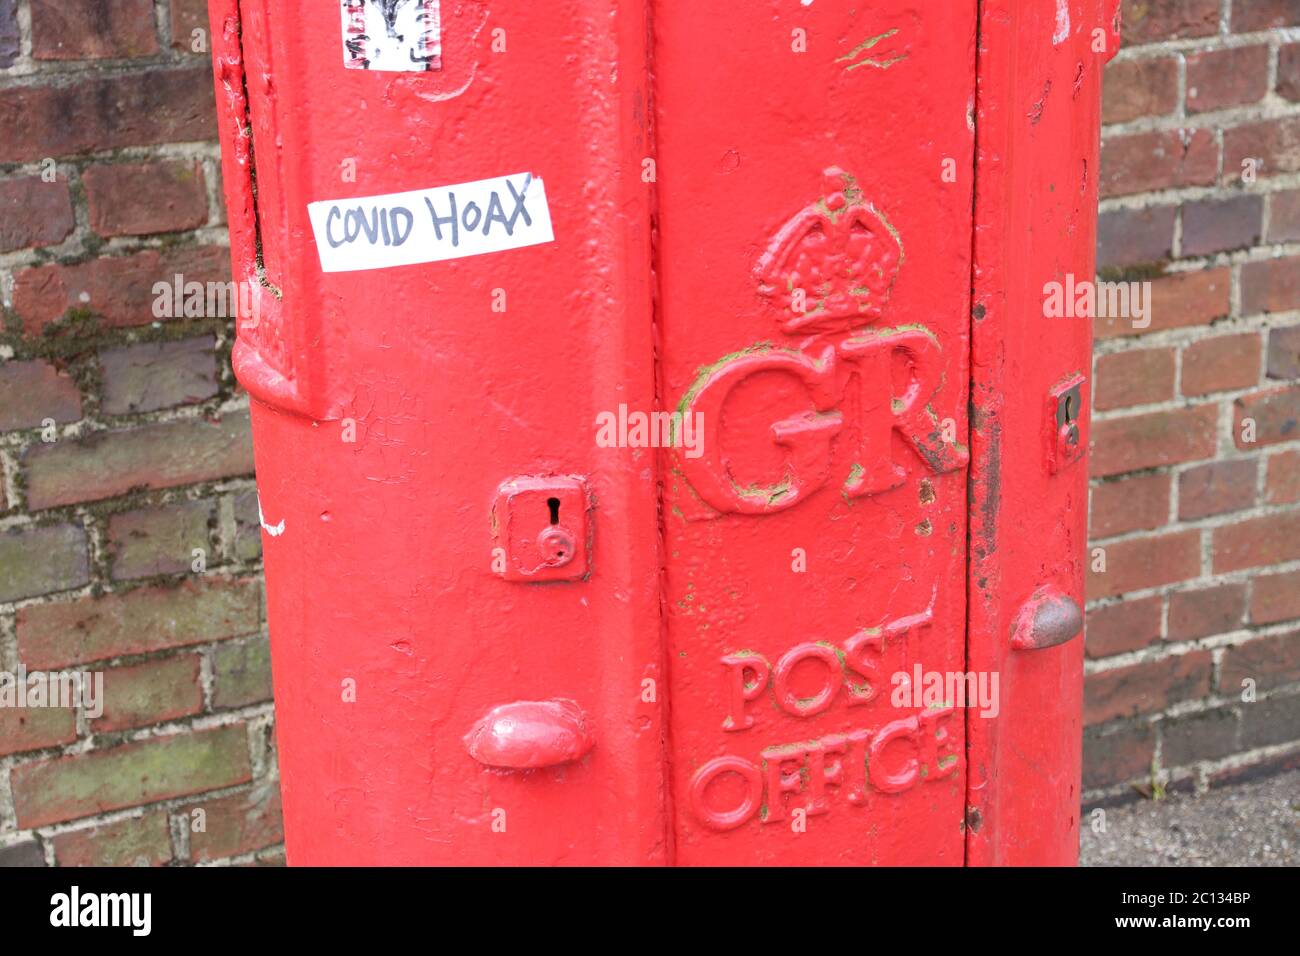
{"x":1197,"y":520}
{"x":125,"y":453}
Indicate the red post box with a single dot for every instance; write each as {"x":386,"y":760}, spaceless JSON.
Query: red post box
{"x":663,"y":450}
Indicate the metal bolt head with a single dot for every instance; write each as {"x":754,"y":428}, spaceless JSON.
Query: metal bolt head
{"x":557,"y":546}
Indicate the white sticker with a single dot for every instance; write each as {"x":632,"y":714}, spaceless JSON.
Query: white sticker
{"x":428,"y":225}
{"x":400,"y":36}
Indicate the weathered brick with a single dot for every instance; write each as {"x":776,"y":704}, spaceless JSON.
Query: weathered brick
{"x":159,"y":768}
{"x":1128,"y":237}
{"x":1275,"y":597}
{"x":34,"y":728}
{"x":1158,"y":160}
{"x":1146,"y":563}
{"x":1249,"y":16}
{"x":1218,"y":79}
{"x":1284,"y":352}
{"x":1205,"y":736}
{"x":1149,"y":21}
{"x":1126,"y":626}
{"x":118,"y":289}
{"x":136,"y":841}
{"x":1276,"y":414}
{"x":1132,"y":89}
{"x":136,"y":199}
{"x":34,"y":212}
{"x":1268,"y":661}
{"x":1275,"y":720}
{"x":25,"y":853}
{"x":1221,"y":364}
{"x":237,"y":824}
{"x":241,"y":672}
{"x":1217,"y":609}
{"x":248,"y":527}
{"x":1116,"y":754}
{"x":137,"y":622}
{"x":159,"y":540}
{"x":154,"y":375}
{"x":1177,"y":301}
{"x":1274,"y":144}
{"x":150,"y":693}
{"x":107,"y":464}
{"x":1288,"y":71}
{"x":1282,"y":483}
{"x":186,"y":17}
{"x":92,"y":29}
{"x":1255,"y":542}
{"x":1220,"y":225}
{"x":1130,"y":504}
{"x":1147,"y":687}
{"x":1270,"y":285}
{"x":9,"y":36}
{"x":1284,"y":215}
{"x":42,"y":560}
{"x":160,"y":105}
{"x":1153,"y":439}
{"x":1217,"y":488}
{"x":31,"y":392}
{"x":1135,"y":377}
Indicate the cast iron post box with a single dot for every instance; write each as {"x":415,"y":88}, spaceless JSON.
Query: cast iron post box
{"x":663,"y":452}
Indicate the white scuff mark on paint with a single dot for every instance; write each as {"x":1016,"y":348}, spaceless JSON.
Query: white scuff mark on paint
{"x":806,"y":3}
{"x":273,"y":530}
{"x":429,"y":225}
{"x":1062,"y":22}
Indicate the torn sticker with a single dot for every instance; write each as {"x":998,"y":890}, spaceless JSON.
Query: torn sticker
{"x":400,"y":36}
{"x":429,"y":225}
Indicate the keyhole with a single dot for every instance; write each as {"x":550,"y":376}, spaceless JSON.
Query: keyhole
{"x":554,"y":505}
{"x":1069,"y":408}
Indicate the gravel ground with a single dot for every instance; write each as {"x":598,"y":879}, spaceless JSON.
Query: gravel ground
{"x":1251,"y":824}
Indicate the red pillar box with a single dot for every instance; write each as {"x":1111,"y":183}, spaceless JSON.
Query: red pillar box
{"x":663,"y":451}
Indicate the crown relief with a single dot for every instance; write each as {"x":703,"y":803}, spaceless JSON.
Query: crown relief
{"x":832,"y":267}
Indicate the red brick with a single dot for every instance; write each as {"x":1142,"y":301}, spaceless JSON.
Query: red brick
{"x":241,"y":672}
{"x":1217,"y":609}
{"x":1288,"y":72}
{"x":92,"y":29}
{"x":1132,"y":89}
{"x":1276,"y":414}
{"x":1123,"y":627}
{"x":1217,"y":488}
{"x":1218,"y":79}
{"x":1159,"y":160}
{"x":42,"y":560}
{"x":118,"y":289}
{"x":1130,"y":504}
{"x":137,"y":841}
{"x":1150,"y":21}
{"x":237,"y":824}
{"x":1284,"y":215}
{"x":1221,"y":364}
{"x":150,"y":693}
{"x":1136,"y":442}
{"x":1117,"y":754}
{"x":1220,"y":225}
{"x":1135,"y":377}
{"x":186,"y":17}
{"x":137,"y":622}
{"x":34,"y":212}
{"x":1275,"y":144}
{"x":1127,"y":237}
{"x":1282,"y":483}
{"x":1145,"y":688}
{"x":1275,"y":597}
{"x":1268,"y":661}
{"x":1270,"y":285}
{"x":10,"y":45}
{"x":159,"y":768}
{"x":34,"y":728}
{"x":107,"y":112}
{"x":107,"y":464}
{"x":1284,"y":352}
{"x":1149,"y":562}
{"x":154,"y":375}
{"x":27,"y":853}
{"x":1250,"y":16}
{"x":136,"y":199}
{"x":1209,"y":735}
{"x":1273,"y":720}
{"x":1257,"y":542}
{"x":31,"y":392}
{"x":158,"y":540}
{"x":1177,"y":301}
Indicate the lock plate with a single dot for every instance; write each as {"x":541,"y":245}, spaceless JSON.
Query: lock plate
{"x":1066,"y":441}
{"x":541,"y":528}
